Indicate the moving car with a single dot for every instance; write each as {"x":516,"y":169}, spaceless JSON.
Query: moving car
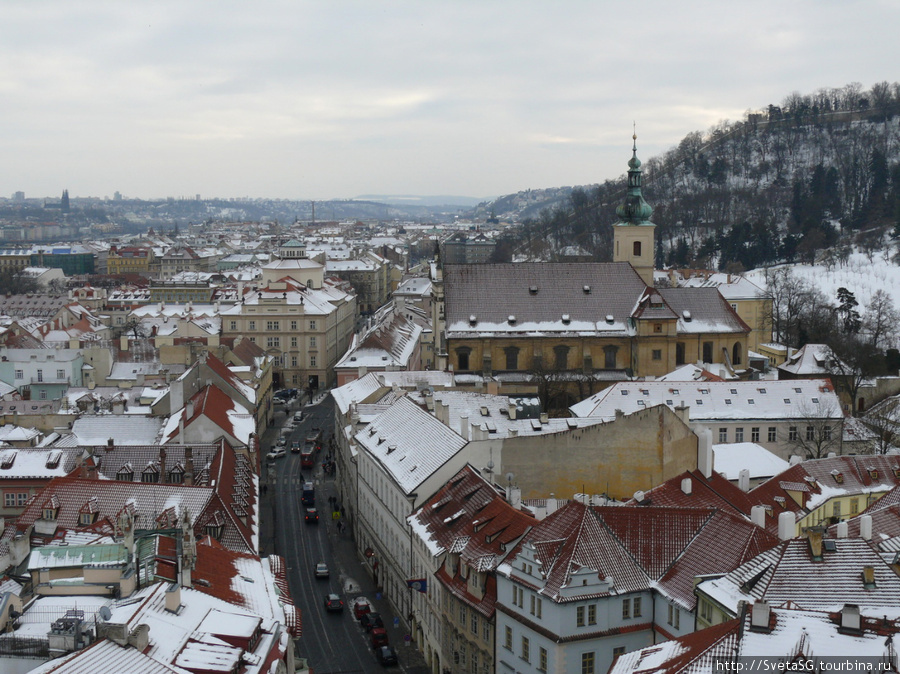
{"x":298,"y":416}
{"x":312,"y":516}
{"x":308,"y":495}
{"x":333,"y":603}
{"x":321,"y":570}
{"x":361,"y":607}
{"x":282,"y":441}
{"x":295,"y":447}
{"x":386,"y":655}
{"x":371,"y":620}
{"x":276,"y":453}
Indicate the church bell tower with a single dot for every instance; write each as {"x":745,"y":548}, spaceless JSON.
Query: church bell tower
{"x":634,"y":239}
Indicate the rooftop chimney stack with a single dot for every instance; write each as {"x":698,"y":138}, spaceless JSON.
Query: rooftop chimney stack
{"x":786,"y":526}
{"x":744,"y":480}
{"x":758,"y":516}
{"x":705,"y":453}
{"x":865,"y":527}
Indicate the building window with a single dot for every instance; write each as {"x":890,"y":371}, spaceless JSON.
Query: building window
{"x":22,"y":498}
{"x":85,"y":519}
{"x":773,"y":434}
{"x":486,"y":630}
{"x":636,"y":248}
{"x":462,"y":614}
{"x":43,"y":394}
{"x":9,"y":500}
{"x":542,"y":659}
{"x":507,"y":638}
{"x":40,"y":375}
{"x":540,"y":606}
{"x":526,"y":650}
{"x":312,"y":342}
{"x":723,"y":435}
{"x":592,"y":614}
{"x":293,"y":325}
{"x":636,"y":607}
{"x":293,"y":342}
{"x":252,"y":325}
{"x":60,"y":374}
{"x":617,"y":651}
{"x":579,"y":616}
{"x":561,"y":357}
{"x":473,"y":623}
{"x":836,"y":510}
{"x":473,"y":662}
{"x":312,"y":361}
{"x":707,"y":352}
{"x":754,"y":434}
{"x":312,"y":325}
{"x":293,"y":361}
{"x":706,"y":610}
{"x":273,"y":342}
{"x":736,"y":354}
{"x":587,"y":663}
{"x":462,"y":359}
{"x":512,"y":357}
{"x":533,"y":603}
{"x":739,"y":434}
{"x":20,"y":374}
{"x":657,"y":328}
{"x":792,"y":433}
{"x":657,"y":354}
{"x":272,"y":326}
{"x":233,"y":325}
{"x":826,"y":433}
{"x":679,"y":353}
{"x":609,"y":357}
{"x":626,"y":609}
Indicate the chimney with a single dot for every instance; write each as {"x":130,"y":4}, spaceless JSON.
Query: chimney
{"x":444,"y":417}
{"x":189,"y":466}
{"x":758,"y":516}
{"x":850,"y":617}
{"x":687,"y":486}
{"x":705,"y":453}
{"x":464,"y":426}
{"x":189,"y":409}
{"x":842,"y":529}
{"x":759,"y":615}
{"x":163,"y":476}
{"x":512,"y":411}
{"x":173,"y":598}
{"x":786,"y":526}
{"x":110,"y":445}
{"x":514,"y":496}
{"x":814,"y":535}
{"x":744,"y":480}
{"x":865,"y":527}
{"x":545,"y":417}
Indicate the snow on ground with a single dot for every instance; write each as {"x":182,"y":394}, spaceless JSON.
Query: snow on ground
{"x":858,"y":275}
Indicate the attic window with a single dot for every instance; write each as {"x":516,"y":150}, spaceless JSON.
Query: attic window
{"x":838,"y":476}
{"x":762,"y":390}
{"x":7,"y":459}
{"x":511,"y":319}
{"x":781,"y":501}
{"x":566,"y":319}
{"x":868,"y":577}
{"x":751,"y":401}
{"x":787,"y":401}
{"x":704,"y":391}
{"x":641,"y":403}
{"x":674,"y":391}
{"x":873,"y":473}
{"x":533,"y":290}
{"x":485,"y":412}
{"x":624,"y":391}
{"x":587,"y":290}
{"x":815,"y":400}
{"x":473,"y":319}
{"x":686,"y":315}
{"x":734,"y":391}
{"x":699,"y":402}
{"x":669,"y":402}
{"x":727,"y":401}
{"x":609,"y":319}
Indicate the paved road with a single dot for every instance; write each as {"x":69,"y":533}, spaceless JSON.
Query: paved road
{"x":331,"y":642}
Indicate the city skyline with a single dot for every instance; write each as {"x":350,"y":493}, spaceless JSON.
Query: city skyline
{"x":328,"y":101}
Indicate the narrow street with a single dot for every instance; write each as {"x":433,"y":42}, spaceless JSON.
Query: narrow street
{"x":331,"y":642}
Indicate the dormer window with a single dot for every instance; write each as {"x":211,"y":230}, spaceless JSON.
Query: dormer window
{"x":49,"y":513}
{"x":873,"y":473}
{"x":86,"y":519}
{"x":838,"y":476}
{"x":125,"y":473}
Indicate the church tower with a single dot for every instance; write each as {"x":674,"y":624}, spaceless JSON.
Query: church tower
{"x":634,"y":238}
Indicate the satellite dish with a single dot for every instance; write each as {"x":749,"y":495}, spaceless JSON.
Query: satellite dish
{"x":105,"y":613}
{"x":490,"y":466}
{"x":509,"y":477}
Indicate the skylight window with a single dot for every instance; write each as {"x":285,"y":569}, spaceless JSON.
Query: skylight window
{"x":815,"y":400}
{"x":787,"y":401}
{"x":669,"y":402}
{"x":624,"y":391}
{"x":727,"y":401}
{"x":641,"y":403}
{"x":734,"y":391}
{"x":796,"y":390}
{"x":751,"y":401}
{"x":762,"y":390}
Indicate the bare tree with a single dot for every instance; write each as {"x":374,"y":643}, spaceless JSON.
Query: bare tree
{"x":818,"y":430}
{"x":881,"y":319}
{"x":884,"y":420}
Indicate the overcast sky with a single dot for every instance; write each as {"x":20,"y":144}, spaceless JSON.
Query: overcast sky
{"x":335,"y":99}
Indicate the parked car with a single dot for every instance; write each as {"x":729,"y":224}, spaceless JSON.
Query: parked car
{"x":379,"y":637}
{"x":333,"y":603}
{"x":298,"y":416}
{"x":279,"y":401}
{"x":386,"y":655}
{"x":312,"y":516}
{"x":321,"y":570}
{"x":361,"y":607}
{"x":282,"y":441}
{"x":276,"y":453}
{"x":371,"y":620}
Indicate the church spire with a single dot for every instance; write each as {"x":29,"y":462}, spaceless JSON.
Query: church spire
{"x":634,"y":210}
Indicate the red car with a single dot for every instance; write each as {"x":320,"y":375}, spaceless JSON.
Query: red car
{"x":379,"y":637}
{"x":361,"y":606}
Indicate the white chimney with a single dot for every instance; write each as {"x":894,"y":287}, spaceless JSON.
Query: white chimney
{"x":514,"y":496}
{"x":842,"y":528}
{"x":744,"y":480}
{"x":705,"y":453}
{"x":759,"y":613}
{"x":786,"y":526}
{"x":512,"y":411}
{"x":794,"y":460}
{"x":687,"y":486}
{"x":758,"y":516}
{"x":639,"y":496}
{"x":173,"y":598}
{"x":865,"y":527}
{"x":850,"y":617}
{"x":464,"y":426}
